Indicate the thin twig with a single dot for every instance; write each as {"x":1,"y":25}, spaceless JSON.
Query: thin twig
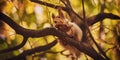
{"x":49,"y":4}
{"x":110,"y":48}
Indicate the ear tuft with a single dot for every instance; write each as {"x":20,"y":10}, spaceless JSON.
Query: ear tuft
{"x":60,"y":13}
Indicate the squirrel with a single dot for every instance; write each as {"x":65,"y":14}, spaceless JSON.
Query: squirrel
{"x":70,"y":28}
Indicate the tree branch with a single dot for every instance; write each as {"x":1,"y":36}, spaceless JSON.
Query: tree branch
{"x":51,"y":31}
{"x":73,"y":15}
{"x":16,"y":47}
{"x":87,"y":28}
{"x":49,"y":4}
{"x":91,"y":20}
{"x":101,"y":16}
{"x":26,"y":32}
{"x":34,"y":50}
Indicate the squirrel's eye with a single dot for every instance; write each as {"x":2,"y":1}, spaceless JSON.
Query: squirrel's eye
{"x":58,"y":16}
{"x":55,"y":21}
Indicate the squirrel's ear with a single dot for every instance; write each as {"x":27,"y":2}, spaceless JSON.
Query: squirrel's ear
{"x":60,"y":13}
{"x":53,"y":16}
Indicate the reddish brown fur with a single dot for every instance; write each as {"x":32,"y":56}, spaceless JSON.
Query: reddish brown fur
{"x":69,"y":28}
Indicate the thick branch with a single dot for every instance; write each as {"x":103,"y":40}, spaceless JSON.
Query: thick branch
{"x":26,"y":32}
{"x":51,"y":31}
{"x":34,"y":50}
{"x":101,"y":16}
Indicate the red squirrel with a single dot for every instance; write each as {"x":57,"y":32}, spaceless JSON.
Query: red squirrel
{"x":70,"y":28}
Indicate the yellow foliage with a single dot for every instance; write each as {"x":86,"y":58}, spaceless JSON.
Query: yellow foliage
{"x":30,"y":8}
